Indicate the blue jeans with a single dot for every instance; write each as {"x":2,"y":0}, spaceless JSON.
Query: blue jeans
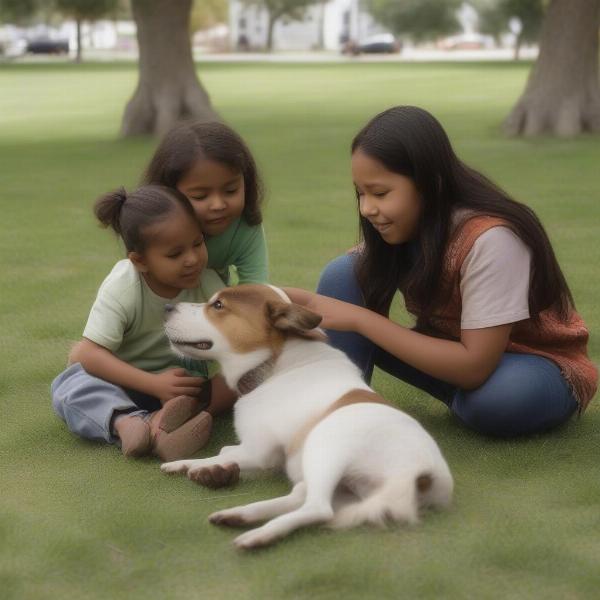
{"x":525,"y":394}
{"x":88,"y":404}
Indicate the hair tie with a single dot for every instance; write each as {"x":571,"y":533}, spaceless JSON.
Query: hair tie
{"x":121,"y":196}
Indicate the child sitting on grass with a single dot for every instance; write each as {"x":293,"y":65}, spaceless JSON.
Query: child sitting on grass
{"x":124,"y":384}
{"x":496,"y":337}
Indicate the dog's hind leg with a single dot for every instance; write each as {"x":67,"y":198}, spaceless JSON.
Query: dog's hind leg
{"x":260,"y":511}
{"x":312,"y":512}
{"x":321,"y":478}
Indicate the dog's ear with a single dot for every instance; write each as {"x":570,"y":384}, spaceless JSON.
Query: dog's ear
{"x":292,"y":318}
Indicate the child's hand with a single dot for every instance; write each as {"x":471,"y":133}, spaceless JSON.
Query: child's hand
{"x":176,"y":382}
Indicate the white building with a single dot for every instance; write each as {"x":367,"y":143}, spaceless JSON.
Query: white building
{"x":326,"y":25}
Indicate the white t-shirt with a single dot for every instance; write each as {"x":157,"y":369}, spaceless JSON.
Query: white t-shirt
{"x":494,"y":280}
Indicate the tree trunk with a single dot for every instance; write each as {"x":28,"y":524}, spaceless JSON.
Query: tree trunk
{"x":321,"y":33}
{"x":168,"y":89}
{"x":270,"y":27}
{"x":78,"y":24}
{"x":517,"y":48}
{"x":562,"y":96}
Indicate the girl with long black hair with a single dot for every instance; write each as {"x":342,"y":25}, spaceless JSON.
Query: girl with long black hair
{"x":496,"y":334}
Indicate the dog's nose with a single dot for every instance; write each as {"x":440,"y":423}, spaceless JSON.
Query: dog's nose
{"x":170,"y":308}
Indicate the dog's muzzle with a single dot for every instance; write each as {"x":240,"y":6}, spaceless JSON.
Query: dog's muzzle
{"x":199,"y":345}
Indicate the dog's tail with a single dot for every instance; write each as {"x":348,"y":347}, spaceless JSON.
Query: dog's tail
{"x":397,"y":501}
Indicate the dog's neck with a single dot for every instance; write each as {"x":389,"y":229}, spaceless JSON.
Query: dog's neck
{"x":245,"y":368}
{"x":250,"y":380}
{"x":245,"y":372}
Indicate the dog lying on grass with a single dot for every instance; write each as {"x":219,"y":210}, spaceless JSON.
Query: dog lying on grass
{"x":352,"y":457}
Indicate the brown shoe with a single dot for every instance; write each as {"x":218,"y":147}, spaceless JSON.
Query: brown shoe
{"x":174,"y":434}
{"x":134,"y":433}
{"x":176,"y":412}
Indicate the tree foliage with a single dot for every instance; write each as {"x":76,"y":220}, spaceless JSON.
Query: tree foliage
{"x":85,"y":10}
{"x":495,"y":16}
{"x":82,"y":10}
{"x":17,"y":11}
{"x":419,"y":20}
{"x":293,"y":9}
{"x":24,"y":11}
{"x":277,"y":9}
{"x":208,"y":13}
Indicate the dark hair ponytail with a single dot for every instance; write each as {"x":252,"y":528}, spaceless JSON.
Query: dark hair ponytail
{"x":409,"y":141}
{"x":129,"y":214}
{"x":108,"y":209}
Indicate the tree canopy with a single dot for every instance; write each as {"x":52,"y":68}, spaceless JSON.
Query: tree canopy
{"x":278,"y":9}
{"x":22,"y":11}
{"x":419,"y":20}
{"x":208,"y":13}
{"x":495,"y":17}
{"x":17,"y":11}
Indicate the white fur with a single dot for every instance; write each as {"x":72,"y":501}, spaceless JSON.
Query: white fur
{"x":376,"y":451}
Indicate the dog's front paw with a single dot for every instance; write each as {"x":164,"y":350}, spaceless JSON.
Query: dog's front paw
{"x":177,"y":466}
{"x":255,"y":538}
{"x":230,"y":517}
{"x":216,"y":476}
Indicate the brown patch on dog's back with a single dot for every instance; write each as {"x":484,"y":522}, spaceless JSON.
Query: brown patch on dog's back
{"x":355,"y":396}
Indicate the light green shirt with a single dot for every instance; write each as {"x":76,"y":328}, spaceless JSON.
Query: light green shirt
{"x":243,"y":247}
{"x":127,"y":319}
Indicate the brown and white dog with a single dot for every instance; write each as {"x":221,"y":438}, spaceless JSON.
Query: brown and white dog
{"x":352,"y":457}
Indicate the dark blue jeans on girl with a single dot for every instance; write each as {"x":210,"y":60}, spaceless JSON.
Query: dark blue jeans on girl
{"x":525,"y":394}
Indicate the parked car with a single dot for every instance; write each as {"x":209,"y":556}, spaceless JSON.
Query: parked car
{"x":466,"y":41}
{"x":48,"y":46}
{"x":383,"y":43}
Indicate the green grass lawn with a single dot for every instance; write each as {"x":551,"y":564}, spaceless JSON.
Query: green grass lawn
{"x":77,"y":520}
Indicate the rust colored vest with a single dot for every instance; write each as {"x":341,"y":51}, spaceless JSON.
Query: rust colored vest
{"x":562,"y":341}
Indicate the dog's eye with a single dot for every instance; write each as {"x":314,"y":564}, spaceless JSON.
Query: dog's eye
{"x":217,"y":305}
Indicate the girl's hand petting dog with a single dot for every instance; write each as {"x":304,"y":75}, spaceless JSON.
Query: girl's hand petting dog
{"x":176,"y":382}
{"x":338,"y":315}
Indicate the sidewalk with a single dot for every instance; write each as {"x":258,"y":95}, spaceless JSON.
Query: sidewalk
{"x":406,"y":56}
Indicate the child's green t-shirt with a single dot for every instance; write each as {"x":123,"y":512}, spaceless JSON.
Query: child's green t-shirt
{"x":242,"y":246}
{"x":127,"y":318}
